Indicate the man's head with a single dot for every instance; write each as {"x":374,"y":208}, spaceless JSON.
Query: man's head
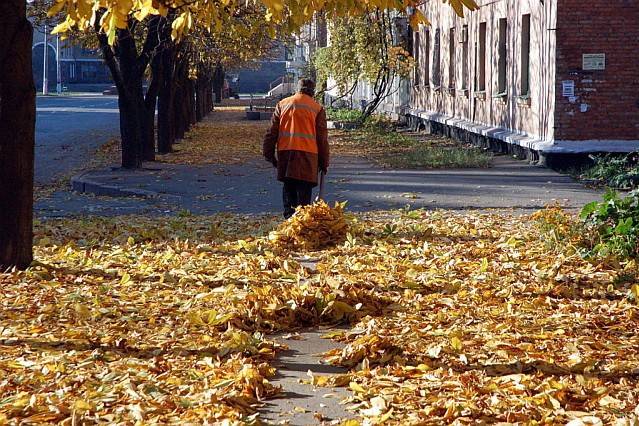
{"x":306,"y":86}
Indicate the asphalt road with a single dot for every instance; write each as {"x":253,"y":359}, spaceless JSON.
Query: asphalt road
{"x":69,"y":129}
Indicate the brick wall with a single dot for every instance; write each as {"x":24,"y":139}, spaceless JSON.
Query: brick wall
{"x":606,"y":103}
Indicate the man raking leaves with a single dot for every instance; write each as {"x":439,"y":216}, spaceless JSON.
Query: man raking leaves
{"x":297,"y":145}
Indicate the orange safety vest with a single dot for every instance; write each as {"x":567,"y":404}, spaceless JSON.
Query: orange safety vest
{"x":297,"y":131}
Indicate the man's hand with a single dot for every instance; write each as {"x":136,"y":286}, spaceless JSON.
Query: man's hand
{"x":324,"y":170}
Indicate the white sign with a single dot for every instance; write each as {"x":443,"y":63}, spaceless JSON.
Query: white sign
{"x":593,"y":61}
{"x":568,"y":88}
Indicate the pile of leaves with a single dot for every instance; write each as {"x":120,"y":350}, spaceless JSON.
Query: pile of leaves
{"x":313,"y":227}
{"x":488,"y":325}
{"x":459,"y":318}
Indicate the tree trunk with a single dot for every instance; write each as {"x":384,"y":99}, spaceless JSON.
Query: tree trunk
{"x":150,"y":103}
{"x":179,"y":118}
{"x":209,"y":95}
{"x":148,"y":148}
{"x":127,"y":68}
{"x":166,"y":115}
{"x":191,"y":101}
{"x":218,"y":83}
{"x":199,"y":105}
{"x":131,"y":103}
{"x":17,"y":136}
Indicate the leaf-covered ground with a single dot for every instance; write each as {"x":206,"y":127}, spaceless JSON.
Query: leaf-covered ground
{"x":106,"y":154}
{"x":457,"y":318}
{"x":224,"y":137}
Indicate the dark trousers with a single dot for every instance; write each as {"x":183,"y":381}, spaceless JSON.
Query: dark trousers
{"x":296,"y":193}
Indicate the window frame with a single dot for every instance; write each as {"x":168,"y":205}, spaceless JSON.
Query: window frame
{"x":502,"y":61}
{"x":524,"y":76}
{"x":465,"y":73}
{"x":480,"y":60}
{"x":437,"y":68}
{"x":452,"y":52}
{"x":416,"y":58}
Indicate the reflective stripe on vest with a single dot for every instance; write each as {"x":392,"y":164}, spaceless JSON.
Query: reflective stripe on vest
{"x":297,"y":124}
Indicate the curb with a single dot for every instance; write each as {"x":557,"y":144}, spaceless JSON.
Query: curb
{"x":343,"y":125}
{"x":81,"y":183}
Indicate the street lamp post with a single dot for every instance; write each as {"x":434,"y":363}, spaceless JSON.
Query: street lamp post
{"x":58,"y":86}
{"x":45,"y":80}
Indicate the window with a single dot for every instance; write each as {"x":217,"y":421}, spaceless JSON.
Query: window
{"x":480,"y":74}
{"x":436,"y":60}
{"x":525,"y":55}
{"x":451,"y":58}
{"x":464,"y":40}
{"x":88,"y":71}
{"x":416,"y":73}
{"x":426,"y":67}
{"x":503,"y":52}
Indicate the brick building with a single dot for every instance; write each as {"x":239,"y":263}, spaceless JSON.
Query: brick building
{"x":530,"y":76}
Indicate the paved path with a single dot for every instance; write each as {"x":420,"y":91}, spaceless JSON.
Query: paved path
{"x":69,"y":129}
{"x":252,"y":188}
{"x":300,"y":403}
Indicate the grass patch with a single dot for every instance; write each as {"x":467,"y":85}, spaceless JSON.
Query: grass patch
{"x":381,"y":142}
{"x":442,"y":157}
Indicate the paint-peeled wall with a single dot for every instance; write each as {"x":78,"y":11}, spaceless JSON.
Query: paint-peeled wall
{"x":451,"y":83}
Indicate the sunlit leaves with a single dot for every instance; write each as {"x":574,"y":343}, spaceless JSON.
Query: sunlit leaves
{"x":210,"y":14}
{"x":463,"y":317}
{"x":313,"y":227}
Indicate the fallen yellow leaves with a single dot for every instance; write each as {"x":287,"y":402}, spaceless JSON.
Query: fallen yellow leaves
{"x":106,"y":154}
{"x":313,"y":227}
{"x":459,"y":318}
{"x":490,"y":325}
{"x":224,"y":137}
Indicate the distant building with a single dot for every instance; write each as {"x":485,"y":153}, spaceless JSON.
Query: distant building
{"x":263,"y":75}
{"x":80,"y":68}
{"x":278,"y":75}
{"x":311,"y":37}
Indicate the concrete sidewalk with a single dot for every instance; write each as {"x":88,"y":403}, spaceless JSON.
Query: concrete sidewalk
{"x":252,"y":188}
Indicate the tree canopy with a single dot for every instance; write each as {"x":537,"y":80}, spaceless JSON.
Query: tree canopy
{"x":213,"y":14}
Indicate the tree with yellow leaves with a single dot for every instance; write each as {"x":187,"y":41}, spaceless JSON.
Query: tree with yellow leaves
{"x":362,"y":49}
{"x":114,"y":21}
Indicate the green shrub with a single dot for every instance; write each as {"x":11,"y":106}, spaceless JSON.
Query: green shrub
{"x":613,"y":224}
{"x":343,"y":114}
{"x":614,"y":170}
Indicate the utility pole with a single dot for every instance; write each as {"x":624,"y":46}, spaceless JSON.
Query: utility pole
{"x":58,"y":86}
{"x":45,"y":80}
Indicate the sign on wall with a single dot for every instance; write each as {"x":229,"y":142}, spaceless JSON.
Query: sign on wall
{"x":593,"y":61}
{"x":568,"y":88}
